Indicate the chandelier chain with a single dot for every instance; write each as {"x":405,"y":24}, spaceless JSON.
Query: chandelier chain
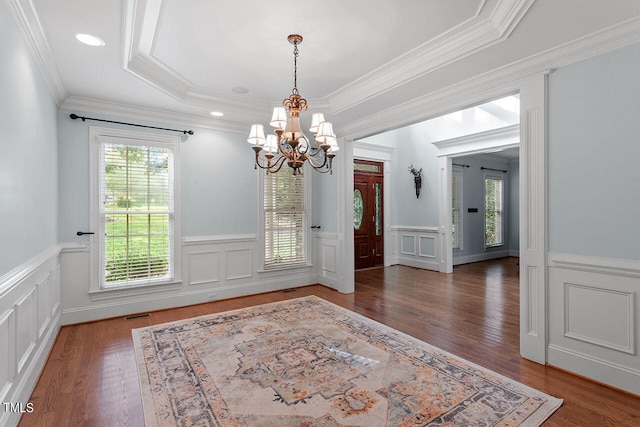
{"x":295,"y":68}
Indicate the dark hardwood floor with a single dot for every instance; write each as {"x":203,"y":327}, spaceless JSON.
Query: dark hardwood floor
{"x":90,"y":378}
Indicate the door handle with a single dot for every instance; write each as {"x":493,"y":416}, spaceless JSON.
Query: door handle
{"x":82,"y":233}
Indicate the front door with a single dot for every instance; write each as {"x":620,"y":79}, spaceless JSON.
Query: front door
{"x":367,"y":214}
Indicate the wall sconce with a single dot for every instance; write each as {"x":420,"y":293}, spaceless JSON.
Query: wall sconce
{"x":417,"y":179}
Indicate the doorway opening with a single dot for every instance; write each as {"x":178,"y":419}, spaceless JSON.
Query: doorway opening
{"x":478,"y":227}
{"x":368,"y":213}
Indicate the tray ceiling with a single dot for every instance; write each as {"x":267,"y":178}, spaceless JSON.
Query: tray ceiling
{"x":357,"y":58}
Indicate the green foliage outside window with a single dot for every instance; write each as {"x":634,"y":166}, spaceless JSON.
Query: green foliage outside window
{"x":493,"y":211}
{"x":137,"y":202}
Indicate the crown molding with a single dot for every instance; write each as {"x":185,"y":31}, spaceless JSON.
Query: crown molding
{"x":504,"y":137}
{"x":140,"y":29}
{"x":480,"y":88}
{"x":481,"y":31}
{"x":150,"y":114}
{"x":28,"y":25}
{"x":498,"y":82}
{"x":487,"y":26}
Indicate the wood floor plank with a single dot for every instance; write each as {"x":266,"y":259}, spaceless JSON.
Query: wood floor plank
{"x":90,"y":378}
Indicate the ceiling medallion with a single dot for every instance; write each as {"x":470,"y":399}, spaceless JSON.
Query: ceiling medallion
{"x":289,"y":144}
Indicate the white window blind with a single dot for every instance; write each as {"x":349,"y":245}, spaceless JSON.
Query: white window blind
{"x":136,"y":213}
{"x":284,"y":219}
{"x":494,"y":195}
{"x":456,"y":208}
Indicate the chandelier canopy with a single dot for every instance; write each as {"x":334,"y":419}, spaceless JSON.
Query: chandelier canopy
{"x":288,"y":143}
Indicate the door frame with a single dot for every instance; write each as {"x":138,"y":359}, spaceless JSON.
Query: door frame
{"x":503,"y":138}
{"x":363,"y":151}
{"x":371,"y":178}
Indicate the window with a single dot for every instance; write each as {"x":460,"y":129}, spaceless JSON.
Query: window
{"x":135,"y":209}
{"x":494,"y":197}
{"x":456,"y":208}
{"x":285,"y":222}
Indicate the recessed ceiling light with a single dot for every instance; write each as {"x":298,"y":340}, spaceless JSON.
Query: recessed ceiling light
{"x":90,"y":40}
{"x":217,"y":114}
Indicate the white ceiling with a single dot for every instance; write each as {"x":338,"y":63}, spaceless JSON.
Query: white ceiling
{"x":182,"y":59}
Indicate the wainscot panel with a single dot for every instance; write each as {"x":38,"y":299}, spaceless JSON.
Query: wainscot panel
{"x":234,"y":268}
{"x":593,"y":318}
{"x":326,"y":259}
{"x":203,"y":267}
{"x":29,"y":324}
{"x":416,"y":247}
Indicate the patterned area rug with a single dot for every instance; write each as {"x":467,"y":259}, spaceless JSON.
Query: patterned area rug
{"x":309,"y":363}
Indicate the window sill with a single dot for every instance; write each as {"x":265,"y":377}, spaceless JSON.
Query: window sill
{"x":133,"y":290}
{"x":500,"y":245}
{"x":285,"y":269}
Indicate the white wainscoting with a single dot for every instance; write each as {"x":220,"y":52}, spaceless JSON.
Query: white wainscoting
{"x":212,"y":267}
{"x":416,"y":247}
{"x":218,"y":267}
{"x":327,"y":259}
{"x":490,"y":254}
{"x":29,"y":324}
{"x":594,"y":317}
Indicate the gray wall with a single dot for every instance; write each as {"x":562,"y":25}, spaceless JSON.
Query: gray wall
{"x":325,"y":193}
{"x":28,"y":156}
{"x":594,"y":150}
{"x":218,"y":184}
{"x":473,"y":197}
{"x":413,"y":146}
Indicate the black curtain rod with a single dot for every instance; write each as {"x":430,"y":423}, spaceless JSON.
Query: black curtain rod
{"x":458,"y":164}
{"x":497,"y":170}
{"x":75,"y":116}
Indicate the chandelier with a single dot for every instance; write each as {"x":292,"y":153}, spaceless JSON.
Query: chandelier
{"x":289,"y":144}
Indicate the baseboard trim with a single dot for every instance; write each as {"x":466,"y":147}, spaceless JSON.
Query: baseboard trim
{"x":419,"y":263}
{"x":156,"y":302}
{"x":605,"y":372}
{"x":468,"y":259}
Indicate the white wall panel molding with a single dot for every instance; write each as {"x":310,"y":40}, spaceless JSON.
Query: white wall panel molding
{"x":7,"y":353}
{"x":203,"y":267}
{"x":239,"y":263}
{"x":43,"y":293}
{"x":14,"y":277}
{"x":212,"y":240}
{"x":427,"y":246}
{"x":29,"y":323}
{"x":213,"y":267}
{"x":613,"y":266}
{"x":407,"y":244}
{"x":594,"y":318}
{"x":26,"y":320}
{"x":600,"y":316}
{"x":416,"y":246}
{"x":326,"y":259}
